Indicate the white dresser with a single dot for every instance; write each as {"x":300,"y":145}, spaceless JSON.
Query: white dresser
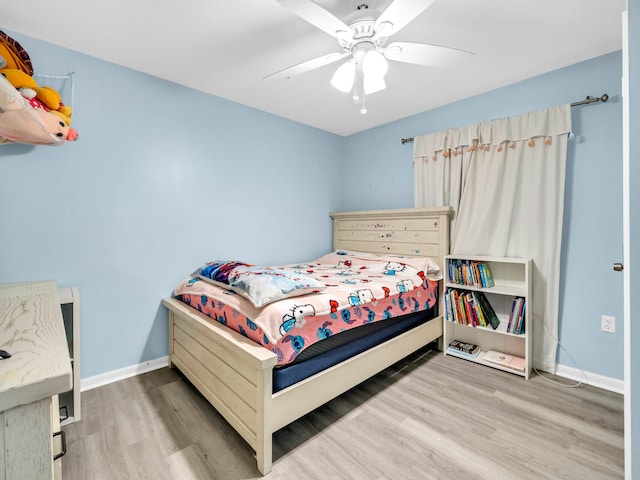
{"x":32,"y":331}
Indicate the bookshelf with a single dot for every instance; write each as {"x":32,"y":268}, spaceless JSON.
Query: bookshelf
{"x":512,"y":280}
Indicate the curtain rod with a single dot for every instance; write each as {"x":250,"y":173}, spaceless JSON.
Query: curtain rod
{"x":586,"y":101}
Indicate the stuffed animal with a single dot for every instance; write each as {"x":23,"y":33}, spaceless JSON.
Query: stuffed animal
{"x":23,"y":121}
{"x":22,"y":82}
{"x":29,"y":113}
{"x":14,"y":55}
{"x":46,"y":98}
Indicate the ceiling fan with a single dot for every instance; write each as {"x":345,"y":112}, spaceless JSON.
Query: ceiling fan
{"x":364,"y":43}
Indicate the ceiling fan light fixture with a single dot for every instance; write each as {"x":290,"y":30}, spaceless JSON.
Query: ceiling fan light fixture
{"x":344,"y":77}
{"x":364,"y":38}
{"x":374,"y":64}
{"x":373,"y":84}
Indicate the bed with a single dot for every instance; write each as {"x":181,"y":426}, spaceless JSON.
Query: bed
{"x":236,"y":374}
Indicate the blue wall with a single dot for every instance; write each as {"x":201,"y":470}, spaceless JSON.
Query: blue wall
{"x":592,"y":234}
{"x":164,"y":178}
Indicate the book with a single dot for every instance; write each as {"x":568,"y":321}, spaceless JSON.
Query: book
{"x":453,"y":300}
{"x":483,"y":276}
{"x":516,"y":317}
{"x":477,"y":278}
{"x":471,"y":317}
{"x":487,"y":309}
{"x":517,"y":363}
{"x":513,"y":308}
{"x":488,"y":276}
{"x":469,"y":308}
{"x":462,"y":314}
{"x":463,"y":347}
{"x":463,"y":354}
{"x":470,"y":273}
{"x":447,"y":306}
{"x":520,"y":326}
{"x":455,"y":270}
{"x":505,"y":360}
{"x":465,"y":272}
{"x":482,"y":319}
{"x":457,"y":310}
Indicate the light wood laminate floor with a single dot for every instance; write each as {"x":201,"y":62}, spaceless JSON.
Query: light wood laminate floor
{"x":427,"y":417}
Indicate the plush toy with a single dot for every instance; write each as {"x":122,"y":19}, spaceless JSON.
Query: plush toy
{"x":26,"y":122}
{"x":14,"y":55}
{"x":29,"y":113}
{"x":46,"y":98}
{"x":22,"y":82}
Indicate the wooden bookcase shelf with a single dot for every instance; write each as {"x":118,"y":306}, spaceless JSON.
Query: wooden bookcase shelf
{"x":512,"y":277}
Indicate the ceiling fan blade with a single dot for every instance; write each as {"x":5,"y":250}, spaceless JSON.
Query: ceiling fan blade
{"x":399,"y":13}
{"x":424,"y":54}
{"x":308,"y":65}
{"x":318,"y":17}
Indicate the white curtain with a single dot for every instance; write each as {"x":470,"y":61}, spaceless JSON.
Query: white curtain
{"x":505,"y":180}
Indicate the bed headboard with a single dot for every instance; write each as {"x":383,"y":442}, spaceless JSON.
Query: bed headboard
{"x":416,"y":232}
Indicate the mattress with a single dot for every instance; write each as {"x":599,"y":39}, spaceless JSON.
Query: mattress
{"x":356,"y":290}
{"x":345,"y":345}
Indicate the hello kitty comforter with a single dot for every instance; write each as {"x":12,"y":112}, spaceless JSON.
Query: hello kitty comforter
{"x":357,"y":288}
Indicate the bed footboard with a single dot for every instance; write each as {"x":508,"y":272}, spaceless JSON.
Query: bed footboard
{"x":299,"y":399}
{"x":234,"y":374}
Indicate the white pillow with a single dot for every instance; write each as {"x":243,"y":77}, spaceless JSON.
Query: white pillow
{"x":259,"y":285}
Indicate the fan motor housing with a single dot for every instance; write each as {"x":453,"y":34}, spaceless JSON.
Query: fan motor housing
{"x":363,"y":32}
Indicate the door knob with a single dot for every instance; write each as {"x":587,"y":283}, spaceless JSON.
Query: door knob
{"x":618,"y":267}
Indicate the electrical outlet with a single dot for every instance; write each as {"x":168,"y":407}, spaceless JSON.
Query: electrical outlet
{"x":608,"y":324}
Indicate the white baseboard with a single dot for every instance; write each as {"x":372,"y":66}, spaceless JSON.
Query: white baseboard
{"x":594,"y":379}
{"x":122,"y":373}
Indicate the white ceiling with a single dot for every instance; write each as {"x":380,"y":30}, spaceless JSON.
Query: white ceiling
{"x":226,"y":47}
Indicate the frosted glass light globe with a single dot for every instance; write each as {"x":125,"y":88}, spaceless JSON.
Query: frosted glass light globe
{"x":374,"y":64}
{"x":344,"y":77}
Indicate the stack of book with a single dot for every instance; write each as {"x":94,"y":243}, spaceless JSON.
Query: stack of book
{"x":470,"y":272}
{"x":463,"y":349}
{"x":516,"y":318}
{"x":505,"y":360}
{"x":469,"y":308}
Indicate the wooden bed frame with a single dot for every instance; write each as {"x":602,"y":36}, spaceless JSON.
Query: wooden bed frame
{"x":235,"y":374}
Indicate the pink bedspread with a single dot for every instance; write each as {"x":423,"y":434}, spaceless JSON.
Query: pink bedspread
{"x":361,"y":288}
